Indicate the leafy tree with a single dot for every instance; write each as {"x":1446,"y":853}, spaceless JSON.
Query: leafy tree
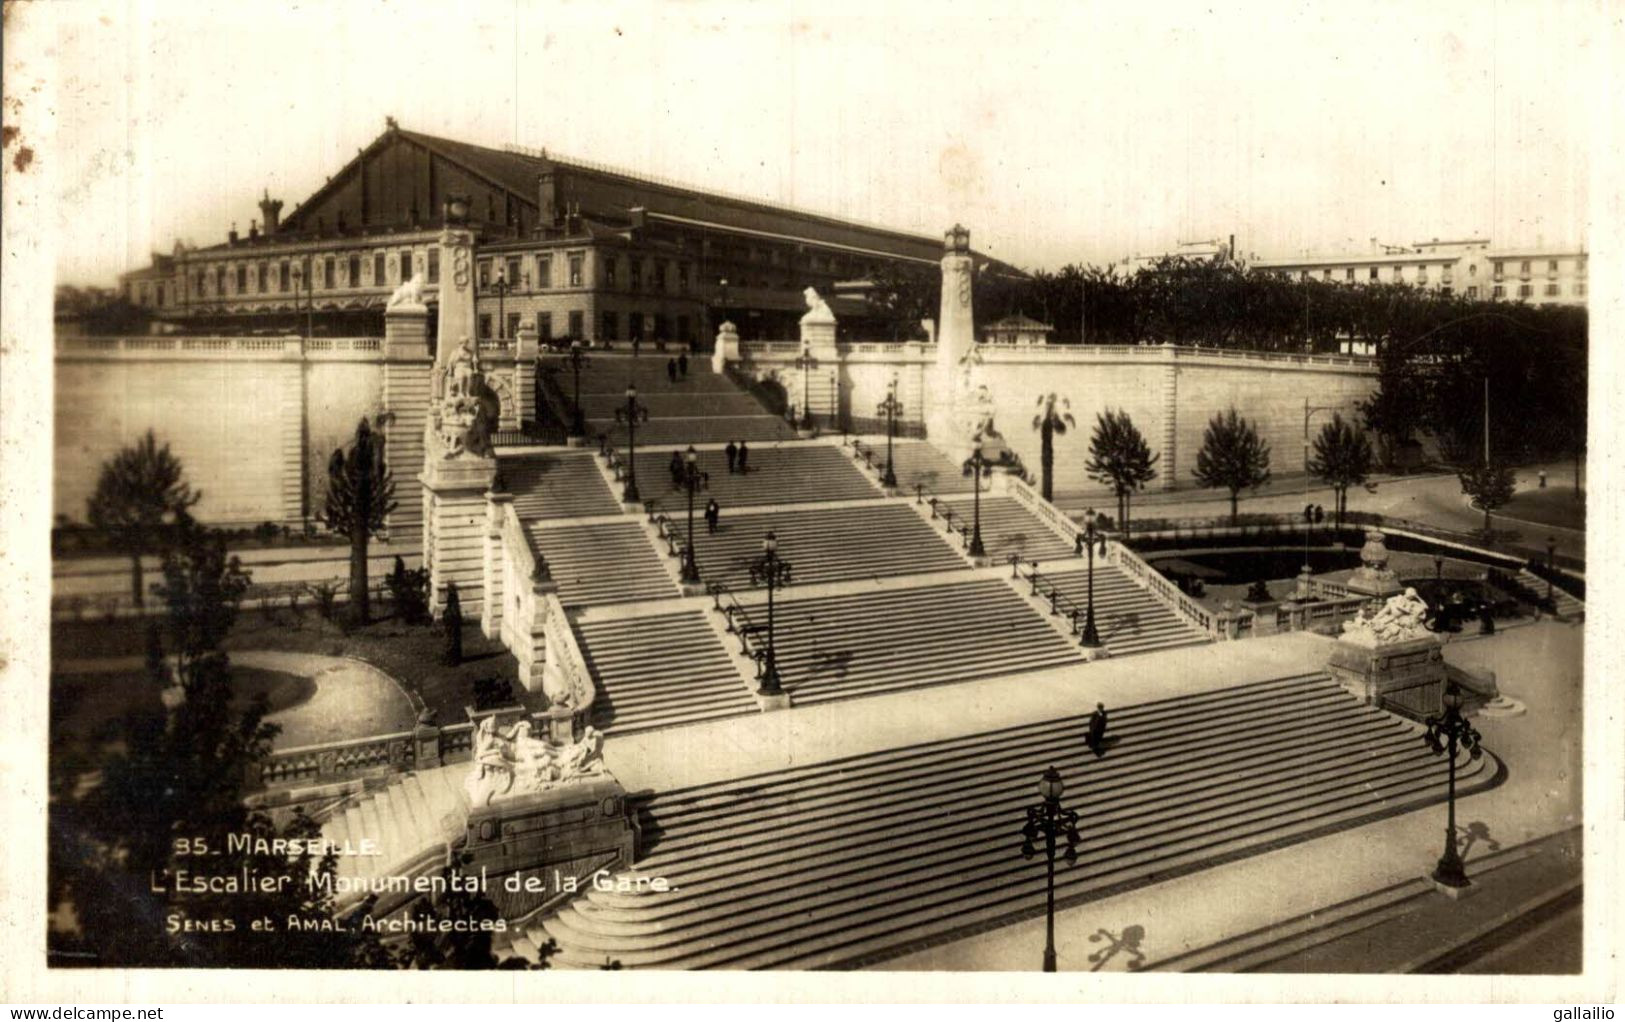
{"x":171,"y":797}
{"x":140,"y":496}
{"x":409,"y":592}
{"x":1120,"y":457}
{"x":1490,"y":485}
{"x":1233,"y":457}
{"x":1342,"y":459}
{"x":360,"y":495}
{"x":1051,"y":422}
{"x":451,"y":620}
{"x":901,"y":298}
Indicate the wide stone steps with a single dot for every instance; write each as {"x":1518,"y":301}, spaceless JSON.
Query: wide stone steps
{"x":1568,"y":607}
{"x":823,"y":544}
{"x":608,"y":375}
{"x":788,"y":473}
{"x":752,"y":429}
{"x":416,"y":814}
{"x":679,"y":402}
{"x":835,"y":647}
{"x":660,"y":671}
{"x":1128,"y":619}
{"x":1009,"y":528}
{"x":918,"y":462}
{"x":610,"y":562}
{"x":850,"y":862}
{"x":546,"y":486}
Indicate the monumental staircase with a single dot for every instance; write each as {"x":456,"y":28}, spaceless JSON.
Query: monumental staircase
{"x":885,"y":594}
{"x":849,"y":862}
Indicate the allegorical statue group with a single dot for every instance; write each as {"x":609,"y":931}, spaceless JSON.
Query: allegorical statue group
{"x":515,"y":761}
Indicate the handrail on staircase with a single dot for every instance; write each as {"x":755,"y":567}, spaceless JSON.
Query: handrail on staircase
{"x":735,"y":612}
{"x":1059,"y":602}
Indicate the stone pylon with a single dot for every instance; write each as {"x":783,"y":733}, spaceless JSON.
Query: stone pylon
{"x":953,"y":408}
{"x":459,"y":466}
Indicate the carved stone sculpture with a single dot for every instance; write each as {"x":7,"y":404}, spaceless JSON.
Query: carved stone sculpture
{"x":1401,"y":619}
{"x":459,"y":419}
{"x":409,"y":294}
{"x":818,"y":310}
{"x":512,"y":762}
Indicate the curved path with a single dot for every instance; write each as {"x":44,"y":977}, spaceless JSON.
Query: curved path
{"x":353,"y":699}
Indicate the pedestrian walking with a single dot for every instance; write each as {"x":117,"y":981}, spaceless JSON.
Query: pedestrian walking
{"x":713,"y":514}
{"x":671,"y":369}
{"x":676,"y":470}
{"x":1097,"y":730}
{"x":682,"y":364}
{"x":744,"y":452}
{"x":1543,"y":479}
{"x":1309,"y":514}
{"x":636,"y":341}
{"x":1320,"y":514}
{"x":732,"y":451}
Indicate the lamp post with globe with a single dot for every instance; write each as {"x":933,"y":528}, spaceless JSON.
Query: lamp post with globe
{"x":1048,"y":820}
{"x":774,"y":572}
{"x":1445,"y":732}
{"x":891,"y":408}
{"x":634,"y":413}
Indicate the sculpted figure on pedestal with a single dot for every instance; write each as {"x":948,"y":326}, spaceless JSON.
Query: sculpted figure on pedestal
{"x":409,"y":294}
{"x":459,"y":417}
{"x":516,"y":761}
{"x":1401,"y":619}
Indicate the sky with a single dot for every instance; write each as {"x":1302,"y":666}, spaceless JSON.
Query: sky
{"x":1057,"y":132}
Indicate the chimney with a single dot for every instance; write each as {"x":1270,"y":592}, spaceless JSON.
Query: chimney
{"x":231,"y":235}
{"x":639,"y":217}
{"x":547,"y":197}
{"x":272,"y":211}
{"x":253,"y":229}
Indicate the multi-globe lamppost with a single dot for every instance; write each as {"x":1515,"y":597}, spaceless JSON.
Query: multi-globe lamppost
{"x":693,"y":480}
{"x":1091,"y":638}
{"x":772,"y":571}
{"x":978,"y":465}
{"x":578,"y":361}
{"x":501,"y":286}
{"x":631,"y":415}
{"x":1444,"y":733}
{"x":1048,"y":820}
{"x":891,"y":408}
{"x":806,"y":362}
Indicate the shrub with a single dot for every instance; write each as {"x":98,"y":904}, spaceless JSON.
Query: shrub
{"x":326,"y":596}
{"x":409,"y":593}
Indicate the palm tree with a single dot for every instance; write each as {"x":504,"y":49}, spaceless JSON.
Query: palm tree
{"x":141,"y":495}
{"x":1342,"y":459}
{"x":1051,"y":423}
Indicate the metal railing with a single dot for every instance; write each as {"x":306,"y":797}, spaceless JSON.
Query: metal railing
{"x":739,"y":624}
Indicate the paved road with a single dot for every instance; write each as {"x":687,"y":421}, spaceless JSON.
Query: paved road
{"x":1432,"y":499}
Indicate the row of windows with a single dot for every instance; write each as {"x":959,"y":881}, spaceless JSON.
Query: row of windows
{"x":511,"y":272}
{"x":638,"y":326}
{"x":330,"y":272}
{"x":1397,"y":273}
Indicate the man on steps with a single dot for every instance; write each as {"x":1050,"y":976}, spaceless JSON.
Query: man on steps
{"x":732,"y":451}
{"x":744,"y":452}
{"x":1097,"y":730}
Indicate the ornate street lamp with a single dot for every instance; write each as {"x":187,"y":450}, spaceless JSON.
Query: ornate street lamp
{"x":631,"y":415}
{"x":501,"y":285}
{"x":1091,"y":638}
{"x":304,"y":280}
{"x":978,"y":465}
{"x":578,"y":360}
{"x":772,"y":571}
{"x":693,"y":479}
{"x":1444,"y":733}
{"x":1048,"y":820}
{"x":891,"y":408}
{"x":806,"y":361}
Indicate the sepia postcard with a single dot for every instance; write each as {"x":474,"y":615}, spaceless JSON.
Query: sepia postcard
{"x":942,"y":494}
